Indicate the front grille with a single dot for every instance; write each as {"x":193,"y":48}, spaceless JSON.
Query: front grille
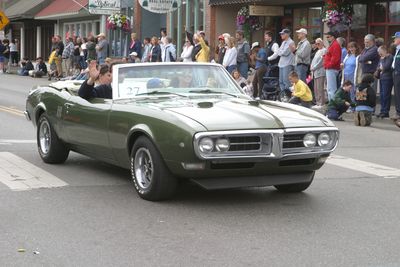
{"x":245,"y":143}
{"x":293,"y":141}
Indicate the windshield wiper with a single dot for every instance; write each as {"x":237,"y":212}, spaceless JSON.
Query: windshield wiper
{"x":161,"y":93}
{"x":209,"y":91}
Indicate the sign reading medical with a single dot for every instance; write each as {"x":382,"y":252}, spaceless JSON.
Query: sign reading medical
{"x":3,"y":20}
{"x":104,"y":7}
{"x":159,"y":6}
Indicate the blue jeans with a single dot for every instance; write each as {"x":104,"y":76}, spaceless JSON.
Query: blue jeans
{"x":385,"y":94}
{"x":302,"y":72}
{"x":243,"y":68}
{"x":331,"y":80}
{"x":284,"y":82}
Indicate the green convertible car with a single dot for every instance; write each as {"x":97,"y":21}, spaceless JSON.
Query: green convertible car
{"x":172,"y":121}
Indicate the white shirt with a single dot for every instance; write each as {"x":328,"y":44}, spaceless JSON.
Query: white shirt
{"x":187,"y":53}
{"x":13,"y":47}
{"x":275,"y":49}
{"x":230,"y":57}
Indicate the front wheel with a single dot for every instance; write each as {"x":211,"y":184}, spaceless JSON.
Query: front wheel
{"x":294,"y":188}
{"x":50,"y":147}
{"x":153,"y":181}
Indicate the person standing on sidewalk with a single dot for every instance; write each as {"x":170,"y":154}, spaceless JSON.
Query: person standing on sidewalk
{"x":271,"y":49}
{"x":286,"y":61}
{"x":102,"y":48}
{"x":332,"y":64}
{"x":261,"y":68}
{"x":369,"y":57}
{"x":318,"y":73}
{"x":67,"y":55}
{"x":396,"y":77}
{"x":302,"y":54}
{"x":243,"y":52}
{"x":385,"y":75}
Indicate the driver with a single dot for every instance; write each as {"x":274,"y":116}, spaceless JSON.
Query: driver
{"x":99,"y":83}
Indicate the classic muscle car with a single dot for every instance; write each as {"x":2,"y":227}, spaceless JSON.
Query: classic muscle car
{"x":183,"y":121}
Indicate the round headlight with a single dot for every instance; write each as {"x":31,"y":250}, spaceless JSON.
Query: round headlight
{"x":222,"y":145}
{"x":309,"y":140}
{"x":324,"y":139}
{"x":206,"y":145}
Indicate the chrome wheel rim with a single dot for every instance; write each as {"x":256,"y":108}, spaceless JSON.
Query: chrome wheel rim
{"x":44,"y":137}
{"x":143,"y":166}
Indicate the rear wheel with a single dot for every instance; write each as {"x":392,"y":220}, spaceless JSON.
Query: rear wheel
{"x":50,"y":147}
{"x":153,"y":181}
{"x":284,"y":96}
{"x":294,"y":188}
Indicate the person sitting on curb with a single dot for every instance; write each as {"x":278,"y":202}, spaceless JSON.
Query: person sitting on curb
{"x":365,"y":101}
{"x":341,"y":102}
{"x":301,"y":92}
{"x":40,"y":69}
{"x":26,"y":66}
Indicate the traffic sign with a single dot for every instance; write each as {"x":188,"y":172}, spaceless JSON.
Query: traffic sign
{"x":3,"y":20}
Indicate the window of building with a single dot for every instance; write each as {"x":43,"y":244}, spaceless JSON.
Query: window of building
{"x":310,"y":19}
{"x":384,"y":19}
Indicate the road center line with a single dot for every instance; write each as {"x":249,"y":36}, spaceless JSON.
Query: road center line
{"x":12,"y":111}
{"x":364,"y":166}
{"x":18,"y":174}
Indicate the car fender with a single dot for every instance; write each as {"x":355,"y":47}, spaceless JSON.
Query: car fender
{"x":135,"y":132}
{"x":38,"y":110}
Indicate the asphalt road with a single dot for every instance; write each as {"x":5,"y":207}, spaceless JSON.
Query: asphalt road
{"x":348,"y":217}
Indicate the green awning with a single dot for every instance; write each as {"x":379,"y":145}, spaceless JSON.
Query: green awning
{"x":24,"y":9}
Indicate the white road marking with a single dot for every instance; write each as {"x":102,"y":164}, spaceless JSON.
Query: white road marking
{"x":364,"y":166}
{"x":19,"y":175}
{"x":15,"y":141}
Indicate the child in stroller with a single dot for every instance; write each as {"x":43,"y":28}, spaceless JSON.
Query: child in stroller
{"x":271,"y":90}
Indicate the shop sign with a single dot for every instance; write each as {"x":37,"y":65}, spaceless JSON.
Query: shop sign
{"x":266,"y":11}
{"x":159,"y":6}
{"x":104,"y":7}
{"x":3,"y":20}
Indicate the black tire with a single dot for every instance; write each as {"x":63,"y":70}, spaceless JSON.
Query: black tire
{"x":159,"y":183}
{"x":51,"y":148}
{"x":294,"y":188}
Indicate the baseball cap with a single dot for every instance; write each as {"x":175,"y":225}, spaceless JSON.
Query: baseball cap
{"x":285,"y":31}
{"x":255,"y":44}
{"x":396,"y":35}
{"x":221,"y":37}
{"x":331,"y":33}
{"x":133,"y":54}
{"x":302,"y":30}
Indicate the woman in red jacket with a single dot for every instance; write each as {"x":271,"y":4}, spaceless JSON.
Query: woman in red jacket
{"x":332,"y":61}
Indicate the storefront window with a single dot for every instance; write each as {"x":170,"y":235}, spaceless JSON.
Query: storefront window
{"x":379,"y":12}
{"x":309,"y":18}
{"x":394,"y":12}
{"x":359,"y":25}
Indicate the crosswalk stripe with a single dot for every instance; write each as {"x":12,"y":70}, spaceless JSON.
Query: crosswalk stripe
{"x":364,"y":166}
{"x":16,"y":141}
{"x":18,"y":174}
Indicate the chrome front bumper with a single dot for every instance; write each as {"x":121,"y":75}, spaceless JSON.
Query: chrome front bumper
{"x":27,"y":116}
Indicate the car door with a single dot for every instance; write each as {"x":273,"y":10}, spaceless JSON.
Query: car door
{"x":86,"y":125}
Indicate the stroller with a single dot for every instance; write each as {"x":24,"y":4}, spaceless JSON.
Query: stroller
{"x":271,"y":90}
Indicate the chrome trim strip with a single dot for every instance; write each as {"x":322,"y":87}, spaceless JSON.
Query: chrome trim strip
{"x":28,"y":118}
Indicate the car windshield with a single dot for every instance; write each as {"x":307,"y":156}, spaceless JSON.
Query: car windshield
{"x":177,"y":79}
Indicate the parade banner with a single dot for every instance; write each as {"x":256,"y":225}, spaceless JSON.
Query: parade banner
{"x":104,"y":7}
{"x":159,"y":6}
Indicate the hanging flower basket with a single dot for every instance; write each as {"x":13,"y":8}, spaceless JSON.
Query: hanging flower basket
{"x":247,"y":23}
{"x":118,"y":21}
{"x":338,"y":15}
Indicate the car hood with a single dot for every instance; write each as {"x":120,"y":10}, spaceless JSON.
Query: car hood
{"x":220,"y":114}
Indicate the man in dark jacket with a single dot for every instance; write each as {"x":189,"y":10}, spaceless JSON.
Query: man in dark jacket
{"x":396,"y":77}
{"x":369,"y":57}
{"x":341,"y":102}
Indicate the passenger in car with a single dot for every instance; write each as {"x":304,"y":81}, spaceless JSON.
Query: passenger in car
{"x":99,"y":83}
